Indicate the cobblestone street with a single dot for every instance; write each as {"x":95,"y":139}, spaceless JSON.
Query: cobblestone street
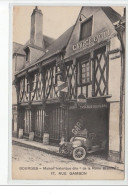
{"x":30,"y":157}
{"x":26,"y":159}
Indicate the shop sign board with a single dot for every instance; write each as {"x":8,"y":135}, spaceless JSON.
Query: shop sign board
{"x":83,"y":103}
{"x":91,"y":41}
{"x":90,"y":106}
{"x":62,"y":86}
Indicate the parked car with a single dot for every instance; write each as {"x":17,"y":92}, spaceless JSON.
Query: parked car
{"x":79,"y":147}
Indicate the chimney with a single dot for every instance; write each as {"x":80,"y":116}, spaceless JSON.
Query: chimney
{"x":36,"y":35}
{"x":124,"y":12}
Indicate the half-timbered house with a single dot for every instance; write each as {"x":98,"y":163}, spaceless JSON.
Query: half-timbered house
{"x":76,"y":76}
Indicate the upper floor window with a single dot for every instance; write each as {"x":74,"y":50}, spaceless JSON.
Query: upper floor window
{"x":33,"y":82}
{"x":84,"y":72}
{"x":86,"y":29}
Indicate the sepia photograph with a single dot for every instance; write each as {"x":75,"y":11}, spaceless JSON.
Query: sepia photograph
{"x":68,"y":92}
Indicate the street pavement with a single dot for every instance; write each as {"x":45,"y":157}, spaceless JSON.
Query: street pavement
{"x":97,"y":158}
{"x":31,"y":157}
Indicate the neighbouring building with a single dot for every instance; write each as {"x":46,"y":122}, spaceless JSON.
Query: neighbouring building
{"x":79,"y":75}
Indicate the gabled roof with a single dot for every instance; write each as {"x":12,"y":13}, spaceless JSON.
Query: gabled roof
{"x":19,"y":48}
{"x":16,"y":46}
{"x":47,"y":41}
{"x":58,"y":44}
{"x":62,"y":41}
{"x":111,"y":14}
{"x":33,"y":46}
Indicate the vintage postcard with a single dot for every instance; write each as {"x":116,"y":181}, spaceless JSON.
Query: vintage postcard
{"x":68,"y":92}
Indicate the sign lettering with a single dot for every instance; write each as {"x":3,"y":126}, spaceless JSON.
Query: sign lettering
{"x":78,"y":126}
{"x":91,"y":41}
{"x":93,"y":106}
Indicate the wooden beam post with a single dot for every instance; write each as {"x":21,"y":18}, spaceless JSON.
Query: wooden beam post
{"x":107,"y":67}
{"x":93,"y":74}
{"x":75,"y":72}
{"x":17,"y":85}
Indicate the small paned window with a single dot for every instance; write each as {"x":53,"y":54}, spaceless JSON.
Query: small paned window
{"x":84,"y":72}
{"x":86,"y":29}
{"x":32,"y":83}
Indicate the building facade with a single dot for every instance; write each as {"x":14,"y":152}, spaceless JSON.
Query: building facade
{"x":77,"y":77}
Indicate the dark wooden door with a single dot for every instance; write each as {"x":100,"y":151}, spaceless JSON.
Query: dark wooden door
{"x":39,"y":122}
{"x":27,"y":122}
{"x":57,"y":123}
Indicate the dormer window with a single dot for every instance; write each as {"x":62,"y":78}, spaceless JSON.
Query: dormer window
{"x":27,"y":51}
{"x":86,"y":29}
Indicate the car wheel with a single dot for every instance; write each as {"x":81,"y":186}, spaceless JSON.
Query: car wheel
{"x":79,"y":153}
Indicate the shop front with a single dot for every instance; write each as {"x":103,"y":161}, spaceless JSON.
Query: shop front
{"x":94,"y":116}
